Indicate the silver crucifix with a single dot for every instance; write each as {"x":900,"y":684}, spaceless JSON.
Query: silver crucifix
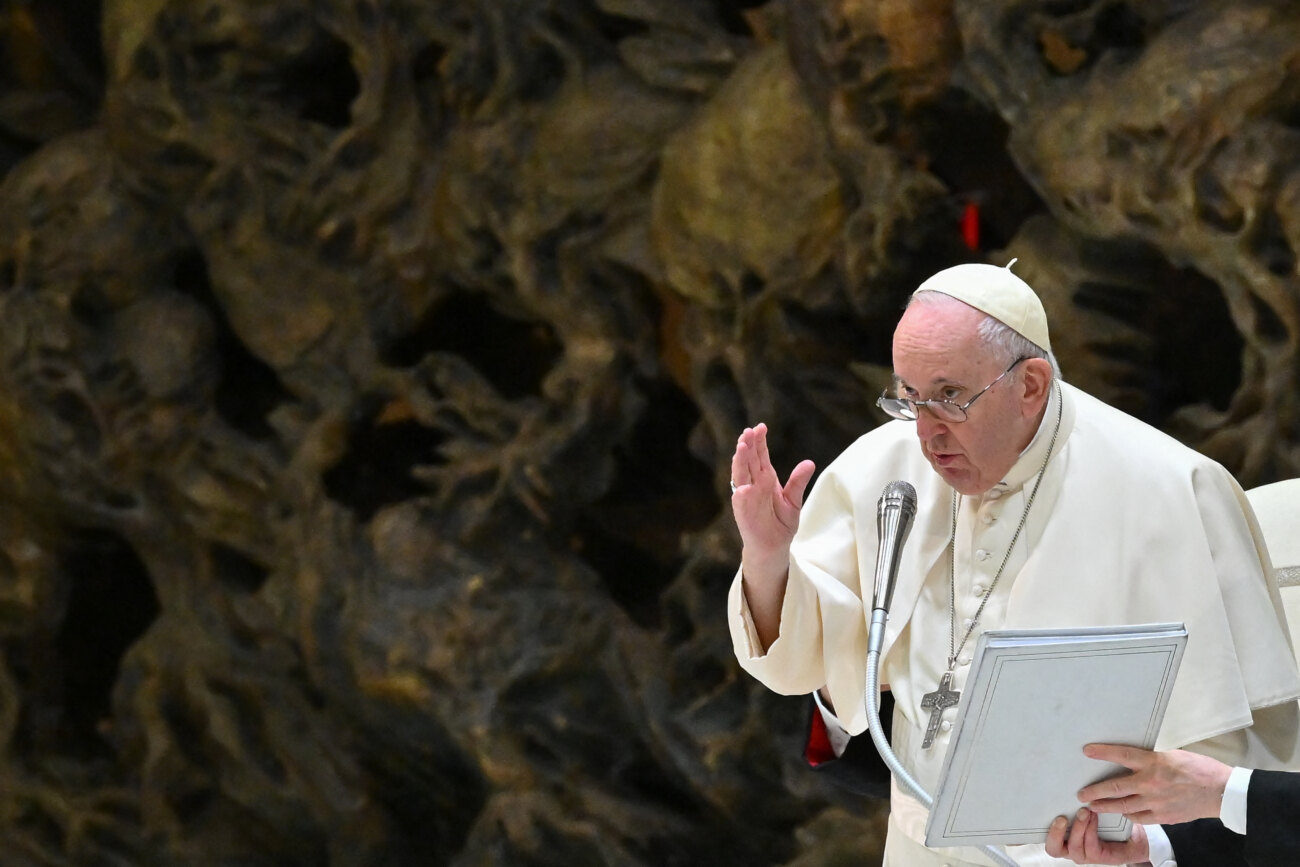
{"x":936,"y":703}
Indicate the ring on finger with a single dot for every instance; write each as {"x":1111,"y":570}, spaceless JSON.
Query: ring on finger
{"x":733,"y":487}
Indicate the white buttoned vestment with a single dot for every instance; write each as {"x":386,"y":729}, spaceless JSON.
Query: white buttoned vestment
{"x":1129,"y":526}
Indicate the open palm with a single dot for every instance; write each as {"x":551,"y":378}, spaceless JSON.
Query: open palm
{"x":766,"y":511}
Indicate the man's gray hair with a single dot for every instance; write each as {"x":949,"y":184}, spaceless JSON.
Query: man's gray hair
{"x":999,"y":337}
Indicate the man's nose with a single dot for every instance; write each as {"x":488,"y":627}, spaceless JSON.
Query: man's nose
{"x":927,"y":425}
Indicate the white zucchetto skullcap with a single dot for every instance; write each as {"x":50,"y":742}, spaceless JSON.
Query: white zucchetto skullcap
{"x":997,"y":292}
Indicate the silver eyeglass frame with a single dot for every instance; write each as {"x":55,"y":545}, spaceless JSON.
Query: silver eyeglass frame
{"x":906,"y":409}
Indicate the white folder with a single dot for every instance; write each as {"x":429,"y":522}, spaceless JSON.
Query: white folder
{"x":1033,"y":699}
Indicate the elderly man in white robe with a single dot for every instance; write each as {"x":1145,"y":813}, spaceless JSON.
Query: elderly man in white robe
{"x":1038,"y":506}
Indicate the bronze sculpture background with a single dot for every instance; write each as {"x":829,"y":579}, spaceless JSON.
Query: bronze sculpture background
{"x":368,"y":372}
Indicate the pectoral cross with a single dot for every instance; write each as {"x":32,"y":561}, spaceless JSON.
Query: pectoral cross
{"x":936,"y":703}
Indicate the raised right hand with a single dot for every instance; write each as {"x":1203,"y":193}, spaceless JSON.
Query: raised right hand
{"x":767,"y":516}
{"x":766,"y":512}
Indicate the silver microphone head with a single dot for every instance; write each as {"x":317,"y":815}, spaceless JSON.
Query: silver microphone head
{"x":894,"y":516}
{"x":898,"y":493}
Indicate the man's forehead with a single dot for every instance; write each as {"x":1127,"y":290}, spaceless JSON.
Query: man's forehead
{"x":939,"y":322}
{"x":939,"y":344}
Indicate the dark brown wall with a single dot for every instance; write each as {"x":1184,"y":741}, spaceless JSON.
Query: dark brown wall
{"x":369,"y":371}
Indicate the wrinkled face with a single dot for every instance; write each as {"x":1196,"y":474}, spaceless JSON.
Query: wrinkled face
{"x":938,"y":354}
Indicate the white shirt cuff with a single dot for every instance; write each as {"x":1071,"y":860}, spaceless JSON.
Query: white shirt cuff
{"x":1232,"y":812}
{"x":839,"y":738}
{"x":1161,"y":851}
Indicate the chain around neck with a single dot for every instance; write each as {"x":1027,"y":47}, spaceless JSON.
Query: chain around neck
{"x":955,"y":648}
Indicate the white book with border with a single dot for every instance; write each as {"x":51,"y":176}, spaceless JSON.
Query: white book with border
{"x":1034,"y":698}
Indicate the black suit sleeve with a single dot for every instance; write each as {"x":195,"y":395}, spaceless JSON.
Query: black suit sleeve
{"x":1272,"y":819}
{"x":1206,"y":843}
{"x":1272,"y":836}
{"x":859,"y":768}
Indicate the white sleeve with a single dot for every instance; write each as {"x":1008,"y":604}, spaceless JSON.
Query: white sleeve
{"x":1160,"y":850}
{"x":839,"y":738}
{"x":1232,"y":811}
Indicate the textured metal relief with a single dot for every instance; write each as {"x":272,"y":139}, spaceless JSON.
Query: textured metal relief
{"x":368,"y":374}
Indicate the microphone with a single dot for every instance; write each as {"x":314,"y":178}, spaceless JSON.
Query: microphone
{"x":894,"y":514}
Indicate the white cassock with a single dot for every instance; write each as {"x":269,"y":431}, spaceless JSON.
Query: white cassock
{"x":1128,"y":526}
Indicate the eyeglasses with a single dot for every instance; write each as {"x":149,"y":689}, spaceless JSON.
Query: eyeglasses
{"x":945,"y":410}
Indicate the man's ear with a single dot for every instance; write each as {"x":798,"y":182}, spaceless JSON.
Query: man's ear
{"x":1036,"y":379}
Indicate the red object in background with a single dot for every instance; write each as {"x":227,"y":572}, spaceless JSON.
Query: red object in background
{"x":970,"y":225}
{"x":818,"y":749}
